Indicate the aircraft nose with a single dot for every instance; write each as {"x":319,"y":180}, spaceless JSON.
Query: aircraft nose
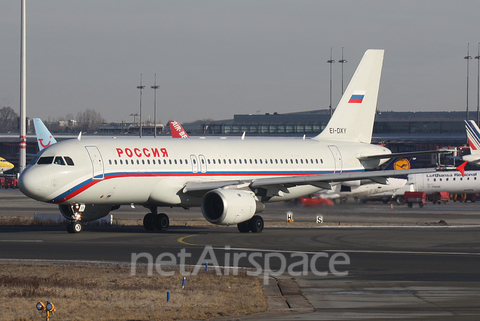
{"x":31,"y":185}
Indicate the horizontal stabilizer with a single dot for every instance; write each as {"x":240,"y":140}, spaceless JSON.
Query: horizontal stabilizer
{"x":405,"y":154}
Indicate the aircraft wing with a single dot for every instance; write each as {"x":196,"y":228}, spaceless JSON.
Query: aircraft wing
{"x":406,"y":154}
{"x":321,"y":180}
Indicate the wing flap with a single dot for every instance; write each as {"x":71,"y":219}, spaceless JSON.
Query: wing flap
{"x":322,"y":180}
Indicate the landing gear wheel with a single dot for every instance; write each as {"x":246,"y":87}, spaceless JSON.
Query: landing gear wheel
{"x":256,"y":224}
{"x":161,"y":221}
{"x":148,"y":222}
{"x":243,"y":227}
{"x":74,"y":227}
{"x":399,"y":200}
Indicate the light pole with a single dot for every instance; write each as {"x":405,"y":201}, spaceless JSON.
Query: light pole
{"x":141,"y":88}
{"x":155,"y":87}
{"x":134,"y":119}
{"x":478,"y":82}
{"x":467,"y":57}
{"x":23,"y":90}
{"x":342,"y":61}
{"x":330,"y":62}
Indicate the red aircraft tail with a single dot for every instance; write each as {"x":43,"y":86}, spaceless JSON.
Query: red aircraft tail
{"x":177,"y":130}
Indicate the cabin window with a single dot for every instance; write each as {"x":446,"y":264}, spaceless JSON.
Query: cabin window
{"x":45,"y":160}
{"x":115,"y":161}
{"x":110,"y":161}
{"x":181,"y":162}
{"x":121,"y":162}
{"x":186,"y":161}
{"x":175,"y":161}
{"x":143,"y":161}
{"x":148,"y":162}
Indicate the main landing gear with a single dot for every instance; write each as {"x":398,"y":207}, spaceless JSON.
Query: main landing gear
{"x":152,"y":221}
{"x":255,"y":224}
{"x":74,"y":227}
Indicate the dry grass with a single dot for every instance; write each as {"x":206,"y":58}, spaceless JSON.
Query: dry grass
{"x":111,"y":293}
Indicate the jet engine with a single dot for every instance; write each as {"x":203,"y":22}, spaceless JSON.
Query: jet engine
{"x":230,"y":206}
{"x":84,"y":213}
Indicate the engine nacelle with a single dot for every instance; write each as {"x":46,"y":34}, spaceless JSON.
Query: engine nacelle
{"x":84,"y":213}
{"x":230,"y":206}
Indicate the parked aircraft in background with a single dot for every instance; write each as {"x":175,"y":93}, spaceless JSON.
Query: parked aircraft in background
{"x":473,"y":134}
{"x":5,"y":165}
{"x":44,"y":137}
{"x":177,"y":130}
{"x":231,"y":179}
{"x":361,"y":190}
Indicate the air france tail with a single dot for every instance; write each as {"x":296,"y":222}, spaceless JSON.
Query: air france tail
{"x":354,"y":116}
{"x":473,"y":134}
{"x":44,"y":137}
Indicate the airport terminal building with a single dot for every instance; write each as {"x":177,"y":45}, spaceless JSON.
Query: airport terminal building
{"x":399,"y":131}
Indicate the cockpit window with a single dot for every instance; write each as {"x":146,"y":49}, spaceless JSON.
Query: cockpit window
{"x":59,"y":160}
{"x":45,"y":160}
{"x":69,"y":161}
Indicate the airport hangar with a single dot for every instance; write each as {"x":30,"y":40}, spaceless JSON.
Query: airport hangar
{"x":399,"y":131}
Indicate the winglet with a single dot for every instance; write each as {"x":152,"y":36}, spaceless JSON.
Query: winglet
{"x":461,"y":168}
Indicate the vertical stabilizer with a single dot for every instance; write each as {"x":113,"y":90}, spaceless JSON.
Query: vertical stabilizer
{"x":177,"y":130}
{"x":44,"y":137}
{"x":354,"y":116}
{"x":473,"y":134}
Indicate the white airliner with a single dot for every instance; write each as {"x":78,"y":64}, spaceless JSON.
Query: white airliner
{"x":5,"y":165}
{"x":230,"y":179}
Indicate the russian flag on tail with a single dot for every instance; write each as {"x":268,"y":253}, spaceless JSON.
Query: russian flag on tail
{"x":357,"y":97}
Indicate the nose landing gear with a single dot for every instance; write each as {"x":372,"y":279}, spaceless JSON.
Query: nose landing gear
{"x":74,"y":227}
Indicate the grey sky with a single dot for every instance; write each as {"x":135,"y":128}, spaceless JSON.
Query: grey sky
{"x":214,"y":59}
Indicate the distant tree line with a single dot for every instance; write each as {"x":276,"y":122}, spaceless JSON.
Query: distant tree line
{"x":86,"y":121}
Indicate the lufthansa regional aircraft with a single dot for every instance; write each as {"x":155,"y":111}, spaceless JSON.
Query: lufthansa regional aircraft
{"x":231,"y":179}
